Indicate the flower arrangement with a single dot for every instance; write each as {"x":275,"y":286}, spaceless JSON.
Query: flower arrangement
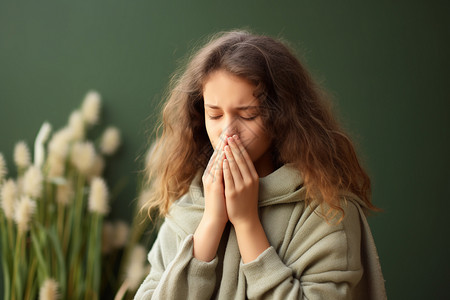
{"x":53,"y":234}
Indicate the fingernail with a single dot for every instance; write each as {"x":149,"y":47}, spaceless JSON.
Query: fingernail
{"x":235,"y":137}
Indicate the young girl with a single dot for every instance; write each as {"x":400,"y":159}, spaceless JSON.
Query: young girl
{"x":262,"y":193}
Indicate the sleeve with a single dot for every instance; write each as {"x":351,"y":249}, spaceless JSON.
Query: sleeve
{"x":322,"y":261}
{"x":174,"y":272}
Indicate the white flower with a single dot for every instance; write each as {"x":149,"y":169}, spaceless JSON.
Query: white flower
{"x":59,"y":144}
{"x":136,"y":269}
{"x":49,"y":290}
{"x":110,"y":141}
{"x":83,"y":156}
{"x":91,"y":107}
{"x":19,"y":185}
{"x":3,"y":170}
{"x":24,"y":211}
{"x":39,"y":153}
{"x":121,"y":231}
{"x":22,"y":155}
{"x":76,"y":125}
{"x":97,"y":167}
{"x":57,"y":166}
{"x":98,"y":197}
{"x":107,"y":237}
{"x":65,"y":193}
{"x":8,"y":197}
{"x":32,"y":182}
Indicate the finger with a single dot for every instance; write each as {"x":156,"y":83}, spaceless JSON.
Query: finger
{"x":214,"y":158}
{"x":210,"y":163}
{"x":239,"y":158}
{"x":250,"y":165}
{"x":219,"y":156}
{"x":208,"y":168}
{"x":227,"y":177}
{"x":218,"y":170}
{"x":234,"y":168}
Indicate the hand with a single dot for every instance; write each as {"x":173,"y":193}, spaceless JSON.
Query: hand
{"x":241,"y":197}
{"x":209,"y":232}
{"x":215,"y":208}
{"x":241,"y":184}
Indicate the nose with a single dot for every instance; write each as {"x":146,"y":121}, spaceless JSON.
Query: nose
{"x":230,"y":126}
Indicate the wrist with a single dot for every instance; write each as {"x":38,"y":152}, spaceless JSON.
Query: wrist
{"x":207,"y":238}
{"x":247,"y":223}
{"x":252,"y":239}
{"x":213,"y":222}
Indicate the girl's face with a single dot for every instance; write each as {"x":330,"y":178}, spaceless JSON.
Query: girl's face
{"x":231,"y":108}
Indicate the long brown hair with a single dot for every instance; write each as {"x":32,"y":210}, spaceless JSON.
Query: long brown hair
{"x":297,"y":115}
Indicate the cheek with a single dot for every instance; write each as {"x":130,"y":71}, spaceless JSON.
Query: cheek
{"x":212,"y":133}
{"x":256,"y":142}
{"x":252,"y":134}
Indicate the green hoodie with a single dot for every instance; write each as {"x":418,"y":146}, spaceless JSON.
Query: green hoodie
{"x":309,"y":258}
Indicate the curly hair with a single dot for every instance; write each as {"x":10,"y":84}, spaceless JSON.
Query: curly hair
{"x":297,"y":115}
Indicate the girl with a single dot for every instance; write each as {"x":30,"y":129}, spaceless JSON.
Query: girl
{"x":276,"y":211}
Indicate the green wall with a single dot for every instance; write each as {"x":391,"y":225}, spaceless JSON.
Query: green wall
{"x":385,"y":62}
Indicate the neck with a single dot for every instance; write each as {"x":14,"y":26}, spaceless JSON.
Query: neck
{"x":264,"y":165}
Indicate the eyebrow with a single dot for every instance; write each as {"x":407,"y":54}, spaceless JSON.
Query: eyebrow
{"x":237,"y":108}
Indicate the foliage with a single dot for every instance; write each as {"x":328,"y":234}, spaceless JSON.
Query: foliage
{"x":54,"y":237}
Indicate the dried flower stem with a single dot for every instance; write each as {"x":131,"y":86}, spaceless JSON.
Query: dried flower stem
{"x":93,"y":266}
{"x":49,"y":196}
{"x":5,"y":260}
{"x":15,"y":276}
{"x":67,"y":229}
{"x":68,"y":221}
{"x":31,"y":279}
{"x":75,"y":272}
{"x":6,"y":280}
{"x":60,"y":220}
{"x":38,"y":253}
{"x":10,"y":230}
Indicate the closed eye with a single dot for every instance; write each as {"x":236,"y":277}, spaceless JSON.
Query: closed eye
{"x":250,"y":118}
{"x":214,"y":117}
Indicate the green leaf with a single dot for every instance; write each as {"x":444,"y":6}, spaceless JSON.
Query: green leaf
{"x":62,"y":266}
{"x":39,"y":256}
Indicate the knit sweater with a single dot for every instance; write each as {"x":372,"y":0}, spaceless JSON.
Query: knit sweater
{"x":309,"y":258}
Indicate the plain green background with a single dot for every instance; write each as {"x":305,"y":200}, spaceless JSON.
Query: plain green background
{"x":385,"y":62}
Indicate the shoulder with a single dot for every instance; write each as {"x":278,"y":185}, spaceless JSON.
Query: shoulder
{"x":319,"y":219}
{"x":351,"y":213}
{"x":317,"y":227}
{"x":351,"y":225}
{"x":319,"y":245}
